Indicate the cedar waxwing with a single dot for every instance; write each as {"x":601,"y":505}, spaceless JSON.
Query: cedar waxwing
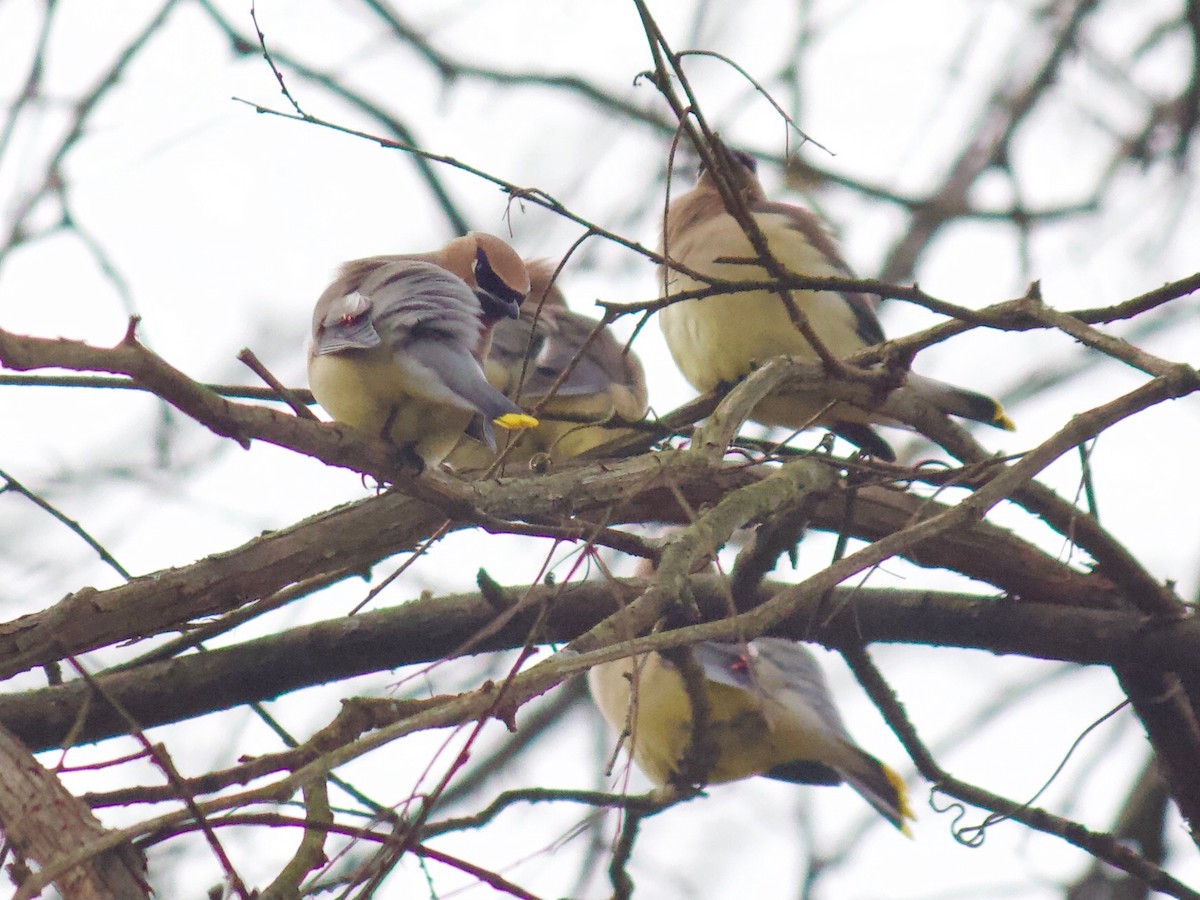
{"x":399,"y":341}
{"x":722,"y":337}
{"x":772,"y":715}
{"x":529,"y":354}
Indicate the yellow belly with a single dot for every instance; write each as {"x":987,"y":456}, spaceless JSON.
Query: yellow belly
{"x":747,"y":744}
{"x":560,"y":440}
{"x":364,"y":390}
{"x":723,"y":337}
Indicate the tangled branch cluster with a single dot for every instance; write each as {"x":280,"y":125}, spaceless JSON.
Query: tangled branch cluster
{"x":1104,"y":608}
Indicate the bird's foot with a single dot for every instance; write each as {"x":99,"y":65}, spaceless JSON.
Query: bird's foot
{"x":408,"y":459}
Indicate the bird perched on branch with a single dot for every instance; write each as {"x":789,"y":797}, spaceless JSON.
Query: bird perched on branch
{"x":721,"y":337}
{"x":603,"y":382}
{"x":399,"y":342}
{"x":771,"y":714}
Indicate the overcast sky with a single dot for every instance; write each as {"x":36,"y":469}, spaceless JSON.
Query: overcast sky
{"x":220,"y":227}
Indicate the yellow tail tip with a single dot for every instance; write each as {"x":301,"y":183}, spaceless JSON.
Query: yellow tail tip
{"x":902,"y":805}
{"x":1001,"y":420}
{"x":516,"y":421}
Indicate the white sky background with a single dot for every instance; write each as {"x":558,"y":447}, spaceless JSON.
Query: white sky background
{"x":225,"y":225}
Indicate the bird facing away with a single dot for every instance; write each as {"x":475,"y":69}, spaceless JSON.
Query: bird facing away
{"x":528,"y":356}
{"x":722,"y":337}
{"x":771,"y":714}
{"x":399,"y":341}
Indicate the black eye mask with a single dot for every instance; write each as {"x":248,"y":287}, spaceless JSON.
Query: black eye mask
{"x":498,"y":299}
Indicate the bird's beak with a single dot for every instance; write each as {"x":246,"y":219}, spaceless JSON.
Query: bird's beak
{"x":499,"y":307}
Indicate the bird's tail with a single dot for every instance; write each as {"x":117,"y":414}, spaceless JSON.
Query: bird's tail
{"x":960,"y":402}
{"x":883,"y":788}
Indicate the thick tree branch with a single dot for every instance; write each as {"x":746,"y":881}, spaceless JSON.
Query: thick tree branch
{"x":425,"y":630}
{"x":356,"y":536}
{"x":43,"y":822}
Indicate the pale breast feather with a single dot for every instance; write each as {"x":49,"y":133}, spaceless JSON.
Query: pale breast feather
{"x":866,"y":324}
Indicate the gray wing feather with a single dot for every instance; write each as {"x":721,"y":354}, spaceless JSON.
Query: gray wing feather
{"x":414,"y":301}
{"x":462,"y":375}
{"x":787,"y":673}
{"x":778,"y":668}
{"x":430,"y":321}
{"x":957,"y":401}
{"x":794,"y":678}
{"x":725,"y":664}
{"x":346,"y":325}
{"x":552,"y":344}
{"x":597,"y":370}
{"x":866,"y":323}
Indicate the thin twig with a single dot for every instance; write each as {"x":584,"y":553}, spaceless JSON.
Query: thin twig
{"x":255,"y":364}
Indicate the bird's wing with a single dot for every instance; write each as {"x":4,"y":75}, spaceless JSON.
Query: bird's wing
{"x":793,"y":678}
{"x":783,"y":671}
{"x":452,"y":374}
{"x":414,"y":301}
{"x":345,"y":324}
{"x":429,"y":319}
{"x":513,"y":341}
{"x":866,"y":323}
{"x":958,"y":401}
{"x":551,"y":344}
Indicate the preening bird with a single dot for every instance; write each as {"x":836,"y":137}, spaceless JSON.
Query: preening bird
{"x":722,"y":337}
{"x":399,"y":341}
{"x":528,"y":356}
{"x":772,"y":715}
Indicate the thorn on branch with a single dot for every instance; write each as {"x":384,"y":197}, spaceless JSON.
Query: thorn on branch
{"x":130,"y":330}
{"x":492,"y":592}
{"x":646,"y":75}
